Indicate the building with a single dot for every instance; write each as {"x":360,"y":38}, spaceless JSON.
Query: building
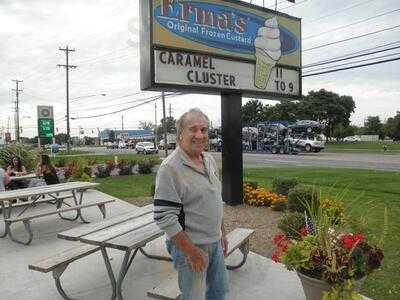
{"x":127,"y":135}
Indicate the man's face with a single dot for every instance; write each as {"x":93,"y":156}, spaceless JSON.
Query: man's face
{"x":194,"y":137}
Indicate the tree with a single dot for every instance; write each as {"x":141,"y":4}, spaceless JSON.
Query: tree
{"x":170,"y":124}
{"x":252,"y":113}
{"x":111,"y":136}
{"x":328,"y":108}
{"x":146,"y":125}
{"x":374,"y":126}
{"x":392,"y":127}
{"x":61,"y":138}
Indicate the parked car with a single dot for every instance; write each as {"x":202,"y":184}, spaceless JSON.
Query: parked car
{"x":353,"y":139}
{"x":310,"y":143}
{"x":145,"y":147}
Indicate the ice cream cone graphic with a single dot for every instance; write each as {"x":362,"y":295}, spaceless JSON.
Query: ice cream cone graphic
{"x":268,"y":52}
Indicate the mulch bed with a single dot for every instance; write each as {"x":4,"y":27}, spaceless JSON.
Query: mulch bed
{"x":262,"y":219}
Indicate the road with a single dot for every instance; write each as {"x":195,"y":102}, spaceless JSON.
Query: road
{"x":371,"y":161}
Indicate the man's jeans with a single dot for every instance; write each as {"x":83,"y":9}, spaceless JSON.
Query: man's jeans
{"x":211,"y":284}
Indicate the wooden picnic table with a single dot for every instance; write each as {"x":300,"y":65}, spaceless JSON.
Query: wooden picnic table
{"x":23,"y":177}
{"x":45,"y":194}
{"x":129,"y":233}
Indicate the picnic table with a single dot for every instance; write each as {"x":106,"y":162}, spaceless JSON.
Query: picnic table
{"x":56,"y":194}
{"x":23,"y":177}
{"x":129,"y":233}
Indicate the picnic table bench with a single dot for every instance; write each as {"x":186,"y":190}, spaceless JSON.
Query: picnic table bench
{"x":129,"y":232}
{"x":45,"y":194}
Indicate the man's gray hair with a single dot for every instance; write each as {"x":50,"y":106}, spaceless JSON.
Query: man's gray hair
{"x":181,"y":123}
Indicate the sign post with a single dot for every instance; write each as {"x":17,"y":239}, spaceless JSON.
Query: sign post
{"x":226,"y":47}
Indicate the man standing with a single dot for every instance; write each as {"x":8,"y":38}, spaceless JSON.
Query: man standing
{"x":188,"y":207}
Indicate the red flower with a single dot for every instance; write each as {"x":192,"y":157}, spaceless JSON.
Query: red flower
{"x":279,"y":239}
{"x":276,"y":256}
{"x":359,"y":237}
{"x":304,"y":231}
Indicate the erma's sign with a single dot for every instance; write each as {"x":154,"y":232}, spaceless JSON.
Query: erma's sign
{"x":209,"y":46}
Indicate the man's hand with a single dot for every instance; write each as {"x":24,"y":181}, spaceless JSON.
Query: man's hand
{"x":198,"y":260}
{"x":224,"y":243}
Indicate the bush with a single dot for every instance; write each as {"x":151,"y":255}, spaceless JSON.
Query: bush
{"x":291,"y":223}
{"x":103,"y":171}
{"x":145,"y":166}
{"x":279,"y":205}
{"x":283,"y":185}
{"x":302,"y":196}
{"x":125,"y":167}
{"x":28,"y":157}
{"x":60,"y":163}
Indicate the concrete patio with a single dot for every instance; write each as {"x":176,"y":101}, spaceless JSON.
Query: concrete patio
{"x":86,"y":279}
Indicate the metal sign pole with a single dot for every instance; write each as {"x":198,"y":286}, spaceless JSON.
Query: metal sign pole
{"x":232,"y":154}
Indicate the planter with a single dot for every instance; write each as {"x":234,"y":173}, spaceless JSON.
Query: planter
{"x":314,"y":288}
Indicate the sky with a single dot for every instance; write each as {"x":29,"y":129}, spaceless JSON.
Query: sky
{"x":105,"y":36}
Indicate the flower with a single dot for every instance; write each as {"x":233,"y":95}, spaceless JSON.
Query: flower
{"x":324,"y":249}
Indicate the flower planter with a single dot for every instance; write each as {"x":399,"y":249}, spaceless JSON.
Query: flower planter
{"x":314,"y":288}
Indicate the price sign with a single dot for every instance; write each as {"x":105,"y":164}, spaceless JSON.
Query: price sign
{"x":46,"y":127}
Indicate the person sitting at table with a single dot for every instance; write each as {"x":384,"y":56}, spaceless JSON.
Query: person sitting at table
{"x":46,"y":169}
{"x":4,"y":180}
{"x":16,"y":168}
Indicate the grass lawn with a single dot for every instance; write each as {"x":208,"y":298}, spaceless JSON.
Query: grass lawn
{"x":366,"y":193}
{"x":368,"y":147}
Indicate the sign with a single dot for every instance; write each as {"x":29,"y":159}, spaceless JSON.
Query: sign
{"x":46,"y":128}
{"x":212,"y":46}
{"x":45,"y":112}
{"x":45,"y":121}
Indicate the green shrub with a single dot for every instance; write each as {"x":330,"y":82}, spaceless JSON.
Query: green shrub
{"x":60,"y":163}
{"x":279,"y":205}
{"x":145,"y":166}
{"x":28,"y":156}
{"x":152,"y":189}
{"x":291,"y":223}
{"x":302,"y":196}
{"x":283,"y":185}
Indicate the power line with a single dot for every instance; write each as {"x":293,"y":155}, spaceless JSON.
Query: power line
{"x":338,"y":11}
{"x":151,"y":99}
{"x":347,"y":58}
{"x":351,"y":24}
{"x":353,"y":67}
{"x":352,"y":38}
{"x":354,"y":62}
{"x":108,"y":106}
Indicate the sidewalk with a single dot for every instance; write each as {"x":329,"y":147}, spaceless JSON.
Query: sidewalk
{"x":87,"y":279}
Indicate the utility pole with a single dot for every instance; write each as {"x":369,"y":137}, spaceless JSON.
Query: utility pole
{"x":122,"y":122}
{"x":17,"y":108}
{"x":155,"y":125}
{"x":164,"y":125}
{"x":67,"y":66}
{"x":170,"y":111}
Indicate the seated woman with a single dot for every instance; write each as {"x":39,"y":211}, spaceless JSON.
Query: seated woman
{"x":4,"y":180}
{"x":16,"y":168}
{"x":46,"y":169}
